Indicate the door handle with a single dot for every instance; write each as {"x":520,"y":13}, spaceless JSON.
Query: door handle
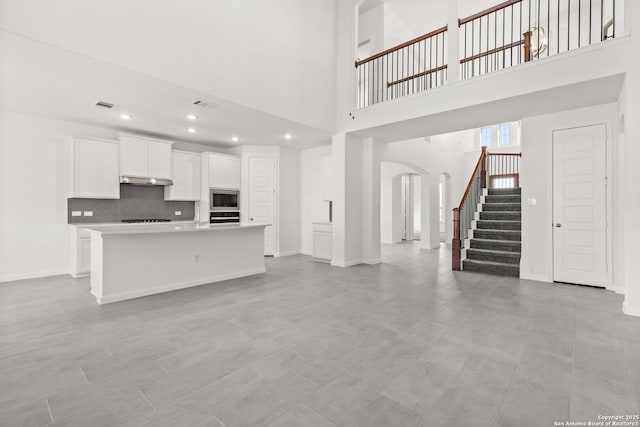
{"x":558,"y":225}
{"x":250,"y":219}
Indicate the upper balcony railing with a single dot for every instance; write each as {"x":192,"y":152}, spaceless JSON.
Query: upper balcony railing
{"x":414,"y":66}
{"x":500,"y":37}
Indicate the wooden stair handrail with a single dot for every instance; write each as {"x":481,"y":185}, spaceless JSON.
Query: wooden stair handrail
{"x":417,"y":75}
{"x":481,"y":161}
{"x":505,"y":154}
{"x":403,"y":45}
{"x":486,"y":12}
{"x":492,"y":51}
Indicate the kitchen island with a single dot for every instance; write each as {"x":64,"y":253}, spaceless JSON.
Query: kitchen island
{"x":131,"y":261}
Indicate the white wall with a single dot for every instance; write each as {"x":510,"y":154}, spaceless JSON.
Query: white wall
{"x":34,"y":186}
{"x":312,"y":207}
{"x":536,"y":182}
{"x":289,"y":201}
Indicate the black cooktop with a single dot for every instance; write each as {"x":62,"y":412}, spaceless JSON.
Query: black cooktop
{"x":133,"y":221}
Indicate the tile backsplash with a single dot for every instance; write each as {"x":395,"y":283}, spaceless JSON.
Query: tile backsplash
{"x":136,"y":202}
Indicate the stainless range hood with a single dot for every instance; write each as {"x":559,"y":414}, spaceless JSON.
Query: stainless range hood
{"x":134,"y":180}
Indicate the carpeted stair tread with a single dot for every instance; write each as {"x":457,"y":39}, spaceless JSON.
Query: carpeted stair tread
{"x":498,"y":245}
{"x":489,"y":255}
{"x":495,"y":268}
{"x":508,"y":198}
{"x":504,"y":191}
{"x":497,"y":234}
{"x":485,"y":224}
{"x":500,"y":216}
{"x":513,"y":207}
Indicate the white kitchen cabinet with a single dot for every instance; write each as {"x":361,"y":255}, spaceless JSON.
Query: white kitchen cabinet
{"x":185,"y":173}
{"x":159,"y":160}
{"x":144,"y":157}
{"x":224,"y":171}
{"x":95,"y":171}
{"x":80,"y":252}
{"x":322,"y":241}
{"x":326,"y":176}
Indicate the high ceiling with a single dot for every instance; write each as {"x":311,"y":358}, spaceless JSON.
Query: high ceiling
{"x":268,"y":65}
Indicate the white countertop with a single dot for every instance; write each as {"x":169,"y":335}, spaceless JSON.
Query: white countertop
{"x":145,"y":228}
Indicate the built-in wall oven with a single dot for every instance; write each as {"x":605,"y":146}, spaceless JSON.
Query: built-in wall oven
{"x":224,"y":206}
{"x":218,"y":217}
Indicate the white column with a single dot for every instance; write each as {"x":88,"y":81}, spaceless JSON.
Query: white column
{"x":430,"y":224}
{"x":348,"y":185}
{"x":630,"y":202}
{"x":453,"y":57}
{"x":371,"y":201}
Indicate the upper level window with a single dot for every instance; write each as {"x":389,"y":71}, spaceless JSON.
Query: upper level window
{"x":504,"y":137}
{"x":485,"y":140}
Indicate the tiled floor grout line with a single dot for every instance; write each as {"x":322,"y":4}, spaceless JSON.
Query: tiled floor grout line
{"x":49,"y":409}
{"x":145,"y":398}
{"x":84,"y":375}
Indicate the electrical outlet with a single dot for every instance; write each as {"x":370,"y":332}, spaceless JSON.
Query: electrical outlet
{"x":178,"y":213}
{"x":76,"y":213}
{"x":88,"y":213}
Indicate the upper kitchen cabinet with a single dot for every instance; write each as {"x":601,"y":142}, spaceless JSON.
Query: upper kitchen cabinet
{"x":224,"y":171}
{"x":95,"y":171}
{"x":325,"y":171}
{"x":185,"y":174}
{"x":144,"y":157}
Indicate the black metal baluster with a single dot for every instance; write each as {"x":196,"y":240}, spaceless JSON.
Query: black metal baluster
{"x":579,"y":21}
{"x":511,"y":39}
{"x":548,"y":26}
{"x":558,"y":47}
{"x":473,"y":35}
{"x":504,"y":62}
{"x":520,"y":35}
{"x":602,"y":34}
{"x":613,"y":35}
{"x":568,"y":25}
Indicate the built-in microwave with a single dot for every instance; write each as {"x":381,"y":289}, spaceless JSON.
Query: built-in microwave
{"x":224,"y":200}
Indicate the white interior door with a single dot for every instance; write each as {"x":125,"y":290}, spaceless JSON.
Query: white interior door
{"x":579,"y":206}
{"x":262,"y":190}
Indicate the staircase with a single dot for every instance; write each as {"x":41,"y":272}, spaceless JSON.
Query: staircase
{"x":494,"y":246}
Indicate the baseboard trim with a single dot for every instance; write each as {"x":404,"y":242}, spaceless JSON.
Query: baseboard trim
{"x":304,"y":252}
{"x":346,"y":264}
{"x":629,"y":310}
{"x":430,"y":246}
{"x":175,"y":286}
{"x":373,"y":261}
{"x":288,"y":253}
{"x":35,"y":275}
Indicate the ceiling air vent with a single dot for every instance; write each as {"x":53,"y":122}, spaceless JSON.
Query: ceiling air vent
{"x":204,"y":104}
{"x":104,"y":104}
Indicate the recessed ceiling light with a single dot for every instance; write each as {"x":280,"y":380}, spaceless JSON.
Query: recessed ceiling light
{"x":192,"y":117}
{"x":192,"y":130}
{"x":234,"y":138}
{"x":288,"y":136}
{"x":126,"y":116}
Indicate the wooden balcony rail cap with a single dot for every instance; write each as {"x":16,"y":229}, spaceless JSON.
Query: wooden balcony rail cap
{"x":403,"y":45}
{"x":488,"y":11}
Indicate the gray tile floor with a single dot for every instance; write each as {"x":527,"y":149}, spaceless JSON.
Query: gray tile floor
{"x":405,"y":343}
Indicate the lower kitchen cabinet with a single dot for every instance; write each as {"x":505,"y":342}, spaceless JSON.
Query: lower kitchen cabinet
{"x":322,"y":242}
{"x":80,"y":252}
